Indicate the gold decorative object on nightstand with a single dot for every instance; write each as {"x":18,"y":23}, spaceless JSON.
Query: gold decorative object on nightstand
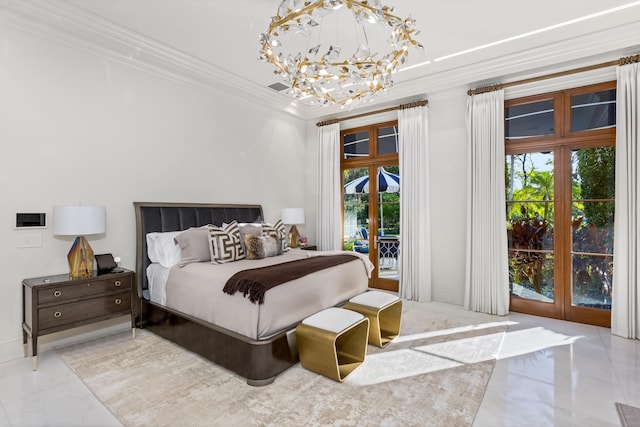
{"x":293,"y":216}
{"x":79,"y":221}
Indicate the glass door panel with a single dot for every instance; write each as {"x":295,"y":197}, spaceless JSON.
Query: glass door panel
{"x":592,"y":194}
{"x":530,"y":226}
{"x":388,"y":219}
{"x":371,"y":220}
{"x":356,"y":210}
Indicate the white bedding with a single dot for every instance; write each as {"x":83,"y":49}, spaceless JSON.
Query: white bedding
{"x":157,"y":276}
{"x":195,"y":291}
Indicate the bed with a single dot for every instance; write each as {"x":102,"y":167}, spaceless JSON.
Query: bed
{"x":257,"y":341}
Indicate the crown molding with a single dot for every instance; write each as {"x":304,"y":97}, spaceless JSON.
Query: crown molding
{"x":593,"y":48}
{"x":71,"y":25}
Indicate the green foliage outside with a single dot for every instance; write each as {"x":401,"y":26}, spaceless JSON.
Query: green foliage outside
{"x":530,"y":220}
{"x":596,"y":169}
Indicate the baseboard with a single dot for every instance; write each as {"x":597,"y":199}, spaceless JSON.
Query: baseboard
{"x":12,"y":349}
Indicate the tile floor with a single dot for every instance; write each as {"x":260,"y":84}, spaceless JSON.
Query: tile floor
{"x":549,"y":373}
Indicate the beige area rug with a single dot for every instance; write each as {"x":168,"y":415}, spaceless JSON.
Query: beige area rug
{"x":629,"y":415}
{"x":434,"y":374}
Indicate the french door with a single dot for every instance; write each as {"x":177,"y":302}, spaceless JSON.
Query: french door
{"x":559,"y":170}
{"x":371,"y":199}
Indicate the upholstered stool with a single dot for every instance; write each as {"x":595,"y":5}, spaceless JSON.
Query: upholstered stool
{"x":333,"y":342}
{"x":384,"y":312}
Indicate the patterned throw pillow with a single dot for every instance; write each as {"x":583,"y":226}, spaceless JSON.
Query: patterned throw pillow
{"x":278,"y":231}
{"x":225,"y":243}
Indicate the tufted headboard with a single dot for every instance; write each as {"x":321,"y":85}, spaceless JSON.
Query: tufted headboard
{"x":161,"y":217}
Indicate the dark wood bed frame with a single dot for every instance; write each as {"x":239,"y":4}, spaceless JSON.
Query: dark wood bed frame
{"x":259,"y":361}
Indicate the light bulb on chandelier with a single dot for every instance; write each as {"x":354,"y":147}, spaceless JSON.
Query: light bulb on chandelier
{"x":324,"y":75}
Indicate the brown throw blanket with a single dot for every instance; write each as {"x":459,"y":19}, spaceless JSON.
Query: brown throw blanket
{"x":256,"y":281}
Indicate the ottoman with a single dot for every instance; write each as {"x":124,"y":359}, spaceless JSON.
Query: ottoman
{"x":333,"y":342}
{"x":384,"y":312}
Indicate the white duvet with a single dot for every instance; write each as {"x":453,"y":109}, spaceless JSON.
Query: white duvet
{"x":196,"y":290}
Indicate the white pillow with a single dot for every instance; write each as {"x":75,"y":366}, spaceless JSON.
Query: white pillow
{"x":162,"y":248}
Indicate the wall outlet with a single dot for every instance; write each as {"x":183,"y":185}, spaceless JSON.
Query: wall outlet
{"x":33,"y":241}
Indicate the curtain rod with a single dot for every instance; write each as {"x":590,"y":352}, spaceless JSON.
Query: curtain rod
{"x":384,"y":110}
{"x":491,"y":88}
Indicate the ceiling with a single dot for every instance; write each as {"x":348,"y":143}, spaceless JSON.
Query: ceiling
{"x":213,"y":44}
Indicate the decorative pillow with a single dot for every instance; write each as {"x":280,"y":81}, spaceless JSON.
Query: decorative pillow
{"x":278,"y":231}
{"x":194,"y":244}
{"x":162,"y":248}
{"x":248,"y":229}
{"x":225,"y":243}
{"x":259,"y":247}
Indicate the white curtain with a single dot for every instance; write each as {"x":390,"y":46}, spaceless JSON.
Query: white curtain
{"x":329,"y":191}
{"x":487,"y":274}
{"x":415,"y":222}
{"x":625,"y":316}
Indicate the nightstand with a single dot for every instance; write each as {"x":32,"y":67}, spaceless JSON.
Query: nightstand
{"x":309,"y":248}
{"x":57,"y":303}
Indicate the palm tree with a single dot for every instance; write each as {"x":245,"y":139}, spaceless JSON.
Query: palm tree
{"x":542,"y":185}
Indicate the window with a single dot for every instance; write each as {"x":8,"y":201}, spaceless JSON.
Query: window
{"x":559,"y":169}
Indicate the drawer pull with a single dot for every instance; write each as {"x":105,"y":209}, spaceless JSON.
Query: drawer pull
{"x":118,"y":301}
{"x":117,"y":283}
{"x":57,"y":294}
{"x":57,"y":314}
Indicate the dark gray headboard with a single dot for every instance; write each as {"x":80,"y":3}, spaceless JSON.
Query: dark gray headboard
{"x":161,"y":217}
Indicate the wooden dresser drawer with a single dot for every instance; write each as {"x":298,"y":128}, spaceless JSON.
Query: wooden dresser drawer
{"x":82,"y":289}
{"x":60,"y":302}
{"x":53,"y":316}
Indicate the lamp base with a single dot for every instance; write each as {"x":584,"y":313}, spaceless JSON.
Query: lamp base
{"x":294,"y":237}
{"x":80,"y":258}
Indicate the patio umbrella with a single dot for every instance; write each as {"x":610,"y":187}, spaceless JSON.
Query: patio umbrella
{"x":387,"y":183}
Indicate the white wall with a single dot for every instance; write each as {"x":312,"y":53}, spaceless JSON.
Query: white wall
{"x":448,"y":168}
{"x":76,"y":128}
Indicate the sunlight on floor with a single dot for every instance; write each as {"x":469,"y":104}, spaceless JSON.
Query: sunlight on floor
{"x":530,"y":340}
{"x":394,"y":365}
{"x":451,"y":331}
{"x":404,"y":363}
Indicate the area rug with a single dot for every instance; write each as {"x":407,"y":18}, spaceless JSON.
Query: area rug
{"x":434,"y":374}
{"x":629,"y":415}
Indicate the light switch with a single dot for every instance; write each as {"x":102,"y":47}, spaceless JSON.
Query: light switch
{"x":32,"y":241}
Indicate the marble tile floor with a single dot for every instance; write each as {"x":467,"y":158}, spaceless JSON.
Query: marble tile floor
{"x":548,"y":373}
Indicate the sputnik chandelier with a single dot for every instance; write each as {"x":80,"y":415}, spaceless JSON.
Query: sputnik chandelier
{"x":329,"y":73}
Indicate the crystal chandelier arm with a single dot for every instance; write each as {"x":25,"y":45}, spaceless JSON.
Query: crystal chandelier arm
{"x":307,"y":10}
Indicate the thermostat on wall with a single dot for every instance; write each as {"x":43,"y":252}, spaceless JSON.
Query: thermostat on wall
{"x":31,"y":220}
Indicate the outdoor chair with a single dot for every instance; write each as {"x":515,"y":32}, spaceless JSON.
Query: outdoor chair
{"x":361,"y":244}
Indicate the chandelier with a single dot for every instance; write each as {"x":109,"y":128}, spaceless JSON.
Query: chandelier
{"x":323,"y":71}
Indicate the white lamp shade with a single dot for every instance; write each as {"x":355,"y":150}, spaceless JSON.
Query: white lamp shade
{"x":79,"y":220}
{"x":293,"y":216}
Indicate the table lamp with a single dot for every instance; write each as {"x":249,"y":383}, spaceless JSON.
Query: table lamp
{"x":79,"y":221}
{"x":293,"y":216}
